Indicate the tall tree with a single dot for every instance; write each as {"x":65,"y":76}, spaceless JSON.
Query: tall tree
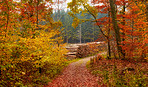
{"x":115,"y":25}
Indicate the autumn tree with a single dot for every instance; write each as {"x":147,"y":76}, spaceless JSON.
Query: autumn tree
{"x":28,"y":43}
{"x":93,"y":12}
{"x":127,"y":17}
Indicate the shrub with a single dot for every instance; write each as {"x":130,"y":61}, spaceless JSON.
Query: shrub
{"x":30,"y":61}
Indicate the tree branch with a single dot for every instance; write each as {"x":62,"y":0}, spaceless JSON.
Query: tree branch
{"x":96,"y":21}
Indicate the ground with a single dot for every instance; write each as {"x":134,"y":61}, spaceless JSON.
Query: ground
{"x":76,"y":75}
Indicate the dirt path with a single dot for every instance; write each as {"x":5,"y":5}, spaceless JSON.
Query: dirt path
{"x":76,"y":75}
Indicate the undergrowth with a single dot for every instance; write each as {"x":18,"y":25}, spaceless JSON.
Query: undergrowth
{"x":119,"y":73}
{"x":30,"y":61}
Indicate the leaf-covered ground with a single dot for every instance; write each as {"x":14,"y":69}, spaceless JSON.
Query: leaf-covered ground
{"x":76,"y":75}
{"x":120,"y":73}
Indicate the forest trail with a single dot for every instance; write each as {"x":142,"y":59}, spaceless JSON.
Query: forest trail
{"x":76,"y":75}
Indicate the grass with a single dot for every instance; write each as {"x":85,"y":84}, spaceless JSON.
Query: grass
{"x":73,"y":60}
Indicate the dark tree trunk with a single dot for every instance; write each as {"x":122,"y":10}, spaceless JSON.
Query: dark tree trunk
{"x":116,"y":28}
{"x":37,"y":19}
{"x":123,"y":23}
{"x":108,"y":38}
{"x":109,"y":50}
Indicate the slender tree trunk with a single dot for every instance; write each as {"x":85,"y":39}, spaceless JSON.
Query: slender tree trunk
{"x":109,"y":52}
{"x":66,"y":36}
{"x":67,"y":39}
{"x":37,"y":19}
{"x":58,"y":17}
{"x":114,"y":49}
{"x":132,"y":37}
{"x":115,"y":26}
{"x":80,"y":34}
{"x":93,"y":33}
{"x":123,"y":23}
{"x":108,"y":38}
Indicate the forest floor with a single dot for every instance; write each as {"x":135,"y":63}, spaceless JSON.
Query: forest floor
{"x":76,"y":75}
{"x":119,"y":73}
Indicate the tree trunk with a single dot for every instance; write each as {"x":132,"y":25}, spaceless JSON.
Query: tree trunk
{"x":146,"y":3}
{"x":115,"y":26}
{"x":37,"y":13}
{"x":123,"y":23}
{"x":80,"y":34}
{"x":67,"y":39}
{"x":93,"y":33}
{"x":108,"y":38}
{"x":58,"y":17}
{"x":132,"y":24}
{"x":109,"y":52}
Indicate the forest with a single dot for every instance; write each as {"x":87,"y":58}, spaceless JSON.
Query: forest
{"x":89,"y":31}
{"x":111,"y":37}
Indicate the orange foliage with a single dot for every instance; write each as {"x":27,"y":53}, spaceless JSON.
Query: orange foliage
{"x":132,"y":24}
